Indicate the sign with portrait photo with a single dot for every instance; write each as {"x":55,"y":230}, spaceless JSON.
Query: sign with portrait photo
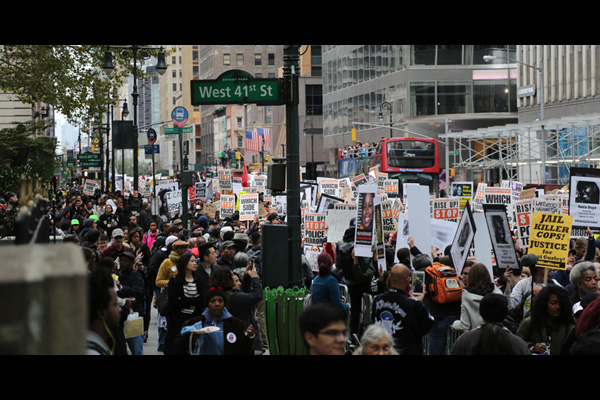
{"x":463,"y":239}
{"x":584,"y":199}
{"x":365,"y":216}
{"x":502,"y":243}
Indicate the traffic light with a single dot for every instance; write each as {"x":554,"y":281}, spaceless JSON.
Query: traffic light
{"x":95,"y":147}
{"x":238,"y":155}
{"x":451,"y":172}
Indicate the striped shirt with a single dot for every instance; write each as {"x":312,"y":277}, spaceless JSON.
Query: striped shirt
{"x":189,"y":290}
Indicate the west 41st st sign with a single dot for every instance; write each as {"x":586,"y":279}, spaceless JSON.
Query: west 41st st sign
{"x":237,"y":87}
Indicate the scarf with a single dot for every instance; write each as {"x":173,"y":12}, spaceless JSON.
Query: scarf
{"x":174,"y":257}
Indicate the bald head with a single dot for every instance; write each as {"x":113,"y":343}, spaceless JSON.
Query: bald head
{"x":400,"y":276}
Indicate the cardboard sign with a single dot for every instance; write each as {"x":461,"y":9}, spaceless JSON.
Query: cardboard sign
{"x":549,"y":240}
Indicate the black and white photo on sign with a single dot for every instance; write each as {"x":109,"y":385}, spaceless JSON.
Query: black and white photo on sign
{"x":463,"y":239}
{"x":365,"y":215}
{"x":584,"y":199}
{"x":500,"y":236}
{"x":379,"y":234}
{"x":327,"y":202}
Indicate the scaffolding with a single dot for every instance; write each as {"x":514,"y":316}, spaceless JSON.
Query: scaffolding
{"x":522,"y":152}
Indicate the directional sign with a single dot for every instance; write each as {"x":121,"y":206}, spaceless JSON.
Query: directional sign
{"x":179,"y":116}
{"x":151,"y":136}
{"x":88,"y":156}
{"x":237,"y":87}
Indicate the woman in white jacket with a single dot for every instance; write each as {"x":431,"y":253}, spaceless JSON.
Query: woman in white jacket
{"x":479,"y":283}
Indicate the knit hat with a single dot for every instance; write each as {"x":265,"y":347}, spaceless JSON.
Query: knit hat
{"x":215,"y":291}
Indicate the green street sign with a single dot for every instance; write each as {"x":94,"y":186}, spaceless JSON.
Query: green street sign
{"x":175,"y":131}
{"x":88,"y":156}
{"x":89,"y":164}
{"x":237,"y":87}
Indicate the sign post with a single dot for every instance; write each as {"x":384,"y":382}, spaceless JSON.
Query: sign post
{"x":179,"y":116}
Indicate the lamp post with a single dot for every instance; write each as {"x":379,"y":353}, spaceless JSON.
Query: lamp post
{"x":386,"y":106}
{"x":540,"y":69}
{"x":308,"y":128}
{"x":142,"y":53}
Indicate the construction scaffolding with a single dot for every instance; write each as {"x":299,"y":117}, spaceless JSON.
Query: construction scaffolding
{"x":522,"y":152}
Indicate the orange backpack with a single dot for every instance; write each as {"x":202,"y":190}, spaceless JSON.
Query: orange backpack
{"x":444,"y":286}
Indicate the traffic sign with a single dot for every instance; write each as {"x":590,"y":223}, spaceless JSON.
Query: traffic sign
{"x":151,"y":136}
{"x":88,"y":156}
{"x":179,"y":116}
{"x":237,"y":87}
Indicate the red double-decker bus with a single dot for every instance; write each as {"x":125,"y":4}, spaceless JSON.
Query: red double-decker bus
{"x":411,"y":160}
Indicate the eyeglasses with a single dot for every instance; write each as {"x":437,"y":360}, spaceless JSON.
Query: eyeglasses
{"x":334,"y":333}
{"x":118,"y":237}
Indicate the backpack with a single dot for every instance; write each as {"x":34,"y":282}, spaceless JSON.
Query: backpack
{"x":344,"y":260}
{"x":443,"y":285}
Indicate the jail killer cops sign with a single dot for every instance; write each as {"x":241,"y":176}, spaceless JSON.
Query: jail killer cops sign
{"x":549,"y":239}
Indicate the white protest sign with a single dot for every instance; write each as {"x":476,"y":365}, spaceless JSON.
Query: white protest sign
{"x":248,"y":206}
{"x":314,"y":229}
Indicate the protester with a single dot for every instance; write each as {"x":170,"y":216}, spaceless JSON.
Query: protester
{"x":323,"y":329}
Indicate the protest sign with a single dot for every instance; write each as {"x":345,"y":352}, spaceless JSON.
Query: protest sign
{"x":584,"y":199}
{"x":90,"y":187}
{"x":387,"y":214}
{"x":479,"y":197}
{"x":248,"y":206}
{"x":379,"y":235}
{"x":173,"y":199}
{"x":446,"y":208}
{"x":523,"y":210}
{"x":549,"y":240}
{"x":391,"y":187}
{"x":464,"y":191}
{"x":227,"y":206}
{"x":314,"y":229}
{"x":364,"y":220}
{"x":338,"y":220}
{"x":500,"y":236}
{"x":463,"y":239}
{"x":225,"y":180}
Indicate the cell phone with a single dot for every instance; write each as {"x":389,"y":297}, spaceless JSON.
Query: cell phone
{"x":418,"y":282}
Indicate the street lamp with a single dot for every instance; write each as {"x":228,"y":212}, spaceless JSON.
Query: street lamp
{"x":488,"y":58}
{"x":161,"y":67}
{"x":386,"y":106}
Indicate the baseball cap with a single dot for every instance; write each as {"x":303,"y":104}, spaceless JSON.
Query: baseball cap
{"x":117,"y":232}
{"x":74,"y":222}
{"x":226,"y":244}
{"x":171,"y":239}
{"x":128,"y":254}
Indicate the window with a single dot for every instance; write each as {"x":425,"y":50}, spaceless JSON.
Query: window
{"x":258,"y":59}
{"x":314,"y":100}
{"x":271,"y":58}
{"x":226,"y":59}
{"x":453,"y":98}
{"x":239,"y":60}
{"x":422,"y":98}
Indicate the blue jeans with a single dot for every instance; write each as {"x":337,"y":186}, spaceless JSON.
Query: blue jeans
{"x":438,"y":334}
{"x":136,"y":345}
{"x":162,"y":332}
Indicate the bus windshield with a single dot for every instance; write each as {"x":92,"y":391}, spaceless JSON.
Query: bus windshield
{"x":410,"y":154}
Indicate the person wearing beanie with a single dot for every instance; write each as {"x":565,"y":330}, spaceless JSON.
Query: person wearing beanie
{"x":325,"y":287}
{"x":231,"y":337}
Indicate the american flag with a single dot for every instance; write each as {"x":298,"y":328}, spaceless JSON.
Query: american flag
{"x":254,"y":140}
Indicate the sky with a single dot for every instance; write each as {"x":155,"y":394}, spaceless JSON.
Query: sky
{"x":65,"y":132}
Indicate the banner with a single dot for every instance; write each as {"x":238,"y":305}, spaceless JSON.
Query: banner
{"x":549,"y":241}
{"x":314,"y":229}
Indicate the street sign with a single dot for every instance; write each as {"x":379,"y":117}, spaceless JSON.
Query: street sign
{"x":88,"y":156}
{"x":179,"y":116}
{"x":89,"y":164}
{"x":151,"y":136}
{"x":237,"y":87}
{"x":148,"y":149}
{"x":175,"y":131}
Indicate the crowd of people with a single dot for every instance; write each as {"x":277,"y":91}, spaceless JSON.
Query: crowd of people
{"x":358,"y":150}
{"x":211,"y":273}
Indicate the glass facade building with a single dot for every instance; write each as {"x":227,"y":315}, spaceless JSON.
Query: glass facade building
{"x":418,"y":81}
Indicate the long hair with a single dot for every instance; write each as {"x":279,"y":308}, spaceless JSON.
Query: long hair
{"x":182,"y":264}
{"x":479,"y":279}
{"x":540,"y":306}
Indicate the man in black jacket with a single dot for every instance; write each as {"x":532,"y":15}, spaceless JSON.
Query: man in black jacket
{"x":132,"y":289}
{"x":404,"y":316}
